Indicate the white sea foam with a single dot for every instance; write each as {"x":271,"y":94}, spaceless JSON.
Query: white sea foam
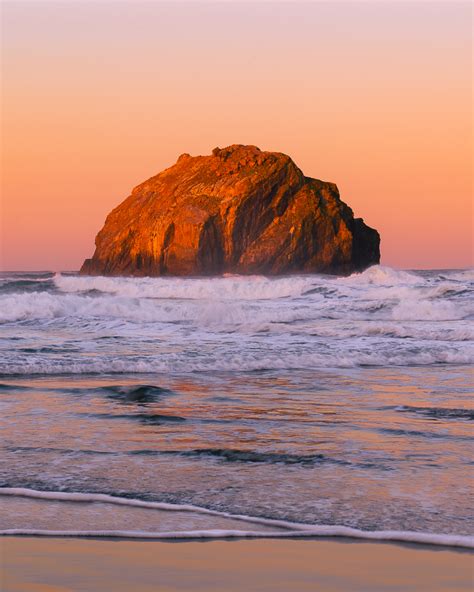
{"x":381,"y":275}
{"x":291,"y":529}
{"x":225,"y":301}
{"x":110,"y":499}
{"x":395,"y":536}
{"x":240,"y":362}
{"x":379,"y":317}
{"x":413,"y":309}
{"x":221,"y":288}
{"x":46,"y":306}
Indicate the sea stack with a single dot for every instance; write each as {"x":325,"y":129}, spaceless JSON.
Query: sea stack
{"x":239,"y":210}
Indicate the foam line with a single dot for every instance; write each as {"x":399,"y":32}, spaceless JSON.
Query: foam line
{"x":292,"y":530}
{"x":395,"y":536}
{"x":122,"y":501}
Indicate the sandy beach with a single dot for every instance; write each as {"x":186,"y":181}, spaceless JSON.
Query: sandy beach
{"x":34,"y":565}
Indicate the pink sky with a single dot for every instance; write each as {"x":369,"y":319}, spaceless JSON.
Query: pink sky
{"x":374,"y":96}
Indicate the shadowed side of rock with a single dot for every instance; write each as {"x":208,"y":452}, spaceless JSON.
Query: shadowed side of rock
{"x":239,"y":210}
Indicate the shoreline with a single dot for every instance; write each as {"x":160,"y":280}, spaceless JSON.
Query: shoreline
{"x":177,"y":522}
{"x":31,"y":564}
{"x":238,"y":535}
{"x":196,"y":537}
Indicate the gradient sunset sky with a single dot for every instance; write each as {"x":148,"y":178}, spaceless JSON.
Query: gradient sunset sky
{"x":99,"y":96}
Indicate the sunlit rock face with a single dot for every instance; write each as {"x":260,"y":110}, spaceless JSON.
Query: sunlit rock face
{"x":239,"y":210}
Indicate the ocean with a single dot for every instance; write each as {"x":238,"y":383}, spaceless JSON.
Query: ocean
{"x":306,"y":405}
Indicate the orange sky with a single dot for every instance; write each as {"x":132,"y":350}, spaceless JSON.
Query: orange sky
{"x":374,"y":96}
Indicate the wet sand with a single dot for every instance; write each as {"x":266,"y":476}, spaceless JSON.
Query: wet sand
{"x":52,"y":564}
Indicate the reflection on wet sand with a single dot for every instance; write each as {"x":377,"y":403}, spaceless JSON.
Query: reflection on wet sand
{"x":32,"y":565}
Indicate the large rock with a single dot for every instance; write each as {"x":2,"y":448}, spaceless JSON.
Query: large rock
{"x":239,"y":210}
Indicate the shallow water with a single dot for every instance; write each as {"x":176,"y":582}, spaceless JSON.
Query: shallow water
{"x":313,"y":400}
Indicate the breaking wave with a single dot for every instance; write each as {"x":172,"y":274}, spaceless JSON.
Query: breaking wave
{"x":241,"y":363}
{"x":222,"y":288}
{"x":380,"y":317}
